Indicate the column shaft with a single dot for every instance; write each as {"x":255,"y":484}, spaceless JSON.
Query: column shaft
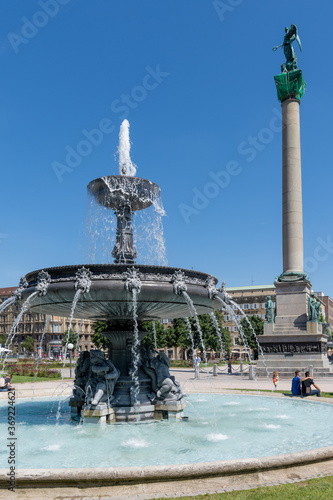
{"x":292,"y":212}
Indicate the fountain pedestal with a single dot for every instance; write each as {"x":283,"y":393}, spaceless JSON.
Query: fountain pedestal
{"x":102,"y":413}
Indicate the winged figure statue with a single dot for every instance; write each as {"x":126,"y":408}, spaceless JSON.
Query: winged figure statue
{"x":290,"y":35}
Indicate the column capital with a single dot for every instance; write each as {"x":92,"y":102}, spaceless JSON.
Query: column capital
{"x":290,"y":85}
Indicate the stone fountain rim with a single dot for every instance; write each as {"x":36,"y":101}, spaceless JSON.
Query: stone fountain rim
{"x":108,"y":476}
{"x":98,"y":269}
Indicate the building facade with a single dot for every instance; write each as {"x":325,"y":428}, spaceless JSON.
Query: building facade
{"x":48,"y":343}
{"x":251,"y":300}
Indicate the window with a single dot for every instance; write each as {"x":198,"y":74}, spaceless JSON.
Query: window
{"x":263,"y":305}
{"x":255,"y":305}
{"x":56,"y":328}
{"x":246,"y":306}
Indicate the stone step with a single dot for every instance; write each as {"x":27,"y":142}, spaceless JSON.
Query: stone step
{"x":290,"y":373}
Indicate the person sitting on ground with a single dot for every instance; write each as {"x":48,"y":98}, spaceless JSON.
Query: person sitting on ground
{"x":307,"y":382}
{"x":8,"y":381}
{"x":5,"y":383}
{"x":296,"y":384}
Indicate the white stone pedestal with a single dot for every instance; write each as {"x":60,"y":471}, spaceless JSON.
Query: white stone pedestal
{"x":102,"y":413}
{"x":169,"y":409}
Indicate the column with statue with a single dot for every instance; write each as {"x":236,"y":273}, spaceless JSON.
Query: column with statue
{"x":292,"y":332}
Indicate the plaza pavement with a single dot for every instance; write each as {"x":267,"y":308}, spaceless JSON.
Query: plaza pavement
{"x":186,"y":376}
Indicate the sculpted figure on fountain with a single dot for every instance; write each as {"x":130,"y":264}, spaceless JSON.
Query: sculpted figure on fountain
{"x":103,"y":376}
{"x":81,"y":375}
{"x":165,"y":387}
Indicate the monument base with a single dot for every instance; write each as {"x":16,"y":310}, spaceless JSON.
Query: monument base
{"x":287,"y":353}
{"x":292,"y":342}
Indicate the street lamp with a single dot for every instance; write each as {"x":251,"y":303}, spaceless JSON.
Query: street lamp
{"x":70,"y":347}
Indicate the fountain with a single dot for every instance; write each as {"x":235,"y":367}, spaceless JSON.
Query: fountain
{"x":131,"y":384}
{"x":225,"y":433}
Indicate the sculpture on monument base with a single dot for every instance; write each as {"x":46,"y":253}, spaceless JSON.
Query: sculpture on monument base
{"x":269,"y":314}
{"x":164,"y":386}
{"x":314,"y":307}
{"x":103,"y":376}
{"x":290,"y":36}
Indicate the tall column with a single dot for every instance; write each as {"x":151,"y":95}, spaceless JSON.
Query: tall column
{"x":292,"y":213}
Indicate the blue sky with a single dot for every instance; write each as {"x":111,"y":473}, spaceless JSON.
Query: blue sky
{"x":196,"y":83}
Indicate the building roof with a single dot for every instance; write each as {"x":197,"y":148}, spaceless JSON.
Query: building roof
{"x":7,"y":291}
{"x":249,"y":288}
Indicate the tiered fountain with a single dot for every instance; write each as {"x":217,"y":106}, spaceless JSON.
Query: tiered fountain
{"x":132,"y":383}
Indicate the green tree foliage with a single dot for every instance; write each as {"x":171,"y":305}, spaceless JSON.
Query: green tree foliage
{"x":3,"y":339}
{"x":149,"y":338}
{"x":226,"y":337}
{"x":72,"y":338}
{"x":28,"y":343}
{"x":99,"y":341}
{"x":257,"y":325}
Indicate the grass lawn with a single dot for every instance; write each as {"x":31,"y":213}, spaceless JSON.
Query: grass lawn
{"x":21,"y":379}
{"x":312,"y":489}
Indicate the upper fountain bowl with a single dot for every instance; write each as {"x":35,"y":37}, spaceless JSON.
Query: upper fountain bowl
{"x":115,"y":191}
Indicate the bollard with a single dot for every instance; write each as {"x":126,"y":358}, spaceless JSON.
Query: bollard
{"x":214,"y":370}
{"x":311,"y":371}
{"x":252,"y":372}
{"x":196,"y":372}
{"x":241,"y":367}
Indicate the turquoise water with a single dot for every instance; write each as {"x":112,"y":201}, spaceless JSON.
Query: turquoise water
{"x":220,"y":427}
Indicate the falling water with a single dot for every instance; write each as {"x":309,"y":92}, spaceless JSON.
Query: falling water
{"x":190,"y":334}
{"x":41,"y":346}
{"x":196,"y":319}
{"x":13,"y":332}
{"x":7,"y":303}
{"x":78,"y":335}
{"x":154,"y":331}
{"x":135,"y":351}
{"x":254,"y":334}
{"x":219,"y":333}
{"x":126,"y":166}
{"x":239,"y":326}
{"x":74,"y":303}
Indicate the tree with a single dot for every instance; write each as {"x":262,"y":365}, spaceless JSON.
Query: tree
{"x":28,"y":343}
{"x":149,"y":339}
{"x":98,"y":339}
{"x":257,"y":325}
{"x":225,"y":334}
{"x":72,"y":338}
{"x":3,"y":339}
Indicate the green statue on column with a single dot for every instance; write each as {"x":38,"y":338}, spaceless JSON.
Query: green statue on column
{"x":290,"y":36}
{"x":290,"y":83}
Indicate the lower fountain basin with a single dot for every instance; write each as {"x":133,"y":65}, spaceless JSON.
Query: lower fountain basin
{"x":220,"y":427}
{"x":109,"y":299}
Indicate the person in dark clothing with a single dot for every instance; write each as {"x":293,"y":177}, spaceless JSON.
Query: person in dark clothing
{"x":307,"y":382}
{"x":296,"y":384}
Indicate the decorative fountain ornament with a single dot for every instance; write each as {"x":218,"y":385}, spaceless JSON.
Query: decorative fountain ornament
{"x":132,"y":383}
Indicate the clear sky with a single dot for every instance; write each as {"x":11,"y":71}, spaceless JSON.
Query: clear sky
{"x":195,"y":80}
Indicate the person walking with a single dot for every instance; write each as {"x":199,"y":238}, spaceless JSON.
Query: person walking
{"x":275,"y":380}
